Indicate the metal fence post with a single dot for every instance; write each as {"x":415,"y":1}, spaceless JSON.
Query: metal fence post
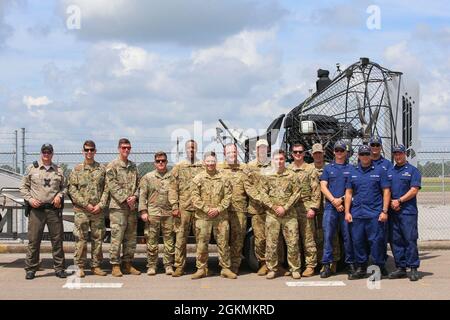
{"x":443,"y":182}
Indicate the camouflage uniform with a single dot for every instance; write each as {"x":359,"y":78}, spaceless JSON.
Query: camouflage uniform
{"x":282,"y":189}
{"x":43,"y":185}
{"x":253,"y":186}
{"x":310,"y":199}
{"x":237,"y":211}
{"x":319,"y":229}
{"x":153,"y":197}
{"x":122,"y":182}
{"x":87,"y":186}
{"x":212,"y":191}
{"x":180,"y":198}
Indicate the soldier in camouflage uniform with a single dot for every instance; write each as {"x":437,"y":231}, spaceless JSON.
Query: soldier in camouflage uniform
{"x":156,"y":212}
{"x":122,"y":180}
{"x":283,"y":190}
{"x":43,"y":186}
{"x":255,"y":170}
{"x":234,"y":171}
{"x":211,"y":196}
{"x":89,"y":197}
{"x":307,"y":207}
{"x":319,"y":164}
{"x":180,"y":200}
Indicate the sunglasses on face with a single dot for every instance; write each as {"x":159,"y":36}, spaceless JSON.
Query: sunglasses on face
{"x":125,"y":148}
{"x":365,"y":154}
{"x":89,"y":150}
{"x":160,"y":161}
{"x":298,"y":151}
{"x":339,"y":150}
{"x":375,"y":145}
{"x":47,"y":152}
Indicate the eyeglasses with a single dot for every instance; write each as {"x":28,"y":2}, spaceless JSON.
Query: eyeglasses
{"x":89,"y":150}
{"x":125,"y":148}
{"x":160,"y":161}
{"x":298,"y":152}
{"x":365,"y":154}
{"x":339,"y":150}
{"x":375,"y":145}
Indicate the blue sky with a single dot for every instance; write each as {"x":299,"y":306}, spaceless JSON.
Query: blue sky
{"x":148,"y":68}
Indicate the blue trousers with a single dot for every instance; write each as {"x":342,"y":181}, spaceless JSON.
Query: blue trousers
{"x":403,"y":236}
{"x":369,"y":233}
{"x":332,"y":221}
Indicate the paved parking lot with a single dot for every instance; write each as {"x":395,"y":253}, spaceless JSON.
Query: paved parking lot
{"x":435,"y":284}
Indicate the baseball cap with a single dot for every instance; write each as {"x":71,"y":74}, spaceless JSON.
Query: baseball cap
{"x":340,"y":145}
{"x":47,"y":146}
{"x":317,"y":147}
{"x":399,"y":148}
{"x":375,"y":139}
{"x":364,"y":149}
{"x":262,"y":142}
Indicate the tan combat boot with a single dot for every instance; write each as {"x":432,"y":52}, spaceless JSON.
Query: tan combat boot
{"x":333,"y":267}
{"x":98,"y":271}
{"x":129,"y":269}
{"x":270,"y":275}
{"x":178,"y":272}
{"x":81,"y":273}
{"x":309,"y":272}
{"x":151,"y":271}
{"x":169,"y":270}
{"x":201,"y":273}
{"x":227,"y":273}
{"x":296,"y":275}
{"x":116,"y":272}
{"x":263,"y":270}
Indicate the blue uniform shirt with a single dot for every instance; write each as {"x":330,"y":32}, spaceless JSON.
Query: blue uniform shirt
{"x":336,"y":175}
{"x":383,"y":162}
{"x":402,"y":179}
{"x":367,"y":185}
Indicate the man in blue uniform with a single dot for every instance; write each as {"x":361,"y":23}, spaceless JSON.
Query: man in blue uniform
{"x":332,"y":185}
{"x":369,"y":187}
{"x":375,"y":152}
{"x":406,"y":182}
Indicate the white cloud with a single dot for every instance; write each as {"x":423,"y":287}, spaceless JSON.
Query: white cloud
{"x":31,"y":102}
{"x":193,"y":22}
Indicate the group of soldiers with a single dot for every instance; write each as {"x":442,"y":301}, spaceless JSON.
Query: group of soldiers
{"x":306,"y":205}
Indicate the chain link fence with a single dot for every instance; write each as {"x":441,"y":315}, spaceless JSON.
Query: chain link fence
{"x":434,"y":197}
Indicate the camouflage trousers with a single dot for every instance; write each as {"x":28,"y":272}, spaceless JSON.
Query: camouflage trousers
{"x":182,"y":226}
{"x":307,"y":231}
{"x":259,"y":232}
{"x":36,"y":224}
{"x":221,"y":230}
{"x":238,"y":228}
{"x":320,"y":241}
{"x":123,"y":235}
{"x":288,"y":227}
{"x":82,"y":223}
{"x":153,"y":227}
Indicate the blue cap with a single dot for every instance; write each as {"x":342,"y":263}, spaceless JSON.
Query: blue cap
{"x":364,"y":149}
{"x":399,"y":148}
{"x":375,"y":139}
{"x":340,"y":145}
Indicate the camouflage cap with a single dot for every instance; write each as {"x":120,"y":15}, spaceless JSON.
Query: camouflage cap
{"x":399,"y":148}
{"x":47,"y":146}
{"x":317,"y":147}
{"x":262,"y":142}
{"x":375,"y":139}
{"x":364,"y":149}
{"x":340,"y":145}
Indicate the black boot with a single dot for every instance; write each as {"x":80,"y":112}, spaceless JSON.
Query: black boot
{"x":414,"y":274}
{"x":61,"y":274}
{"x":326,"y":271}
{"x":351,"y":268}
{"x":360,"y":273}
{"x":383,"y":271}
{"x":30,"y":275}
{"x":398,"y":274}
